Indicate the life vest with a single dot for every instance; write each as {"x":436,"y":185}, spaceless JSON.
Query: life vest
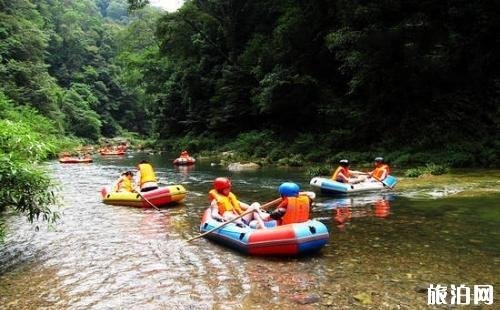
{"x":344,"y":170}
{"x":225,"y":203}
{"x":147,"y":174}
{"x":378,"y":172}
{"x":297,"y":210}
{"x":124,"y":184}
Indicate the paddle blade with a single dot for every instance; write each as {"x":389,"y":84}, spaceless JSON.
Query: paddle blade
{"x":390,"y":181}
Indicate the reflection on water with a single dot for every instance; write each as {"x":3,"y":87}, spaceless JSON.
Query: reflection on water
{"x":346,"y":208}
{"x":388,"y":247}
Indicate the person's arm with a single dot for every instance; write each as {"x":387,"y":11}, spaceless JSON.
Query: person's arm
{"x":240,"y":207}
{"x":280,"y":210}
{"x":355,"y":172}
{"x":342,"y":176}
{"x":133,"y":185}
{"x":116,"y":184}
{"x":137,"y":181}
{"x":214,"y":211}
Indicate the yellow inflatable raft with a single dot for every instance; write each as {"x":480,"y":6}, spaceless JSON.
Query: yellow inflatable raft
{"x":159,"y":197}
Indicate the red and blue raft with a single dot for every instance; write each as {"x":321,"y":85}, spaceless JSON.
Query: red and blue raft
{"x":290,"y":239}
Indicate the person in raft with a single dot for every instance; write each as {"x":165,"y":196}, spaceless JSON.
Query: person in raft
{"x":381,"y":171}
{"x":343,"y":175}
{"x":224,"y":205}
{"x":146,"y":178}
{"x":294,"y":207}
{"x":124,"y":183}
{"x":184,"y":154}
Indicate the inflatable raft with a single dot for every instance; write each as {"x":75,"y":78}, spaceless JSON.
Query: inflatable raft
{"x":112,"y":152}
{"x":330,"y":186}
{"x":291,"y":239}
{"x":160,"y":197}
{"x":184,"y":161}
{"x":74,"y":160}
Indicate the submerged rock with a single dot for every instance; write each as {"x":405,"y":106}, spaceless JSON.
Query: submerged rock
{"x":241,"y":167}
{"x":363,"y":298}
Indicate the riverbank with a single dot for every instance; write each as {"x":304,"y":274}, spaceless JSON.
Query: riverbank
{"x":264,"y":148}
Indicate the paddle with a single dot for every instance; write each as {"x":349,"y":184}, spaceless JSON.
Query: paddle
{"x":270,"y":203}
{"x":388,"y":178}
{"x":150,"y":203}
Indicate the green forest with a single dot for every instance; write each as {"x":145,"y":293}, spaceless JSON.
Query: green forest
{"x":309,"y":81}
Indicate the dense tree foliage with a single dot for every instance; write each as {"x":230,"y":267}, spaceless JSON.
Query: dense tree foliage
{"x":336,"y":75}
{"x":58,"y":57}
{"x":315,"y":78}
{"x":57,"y":79}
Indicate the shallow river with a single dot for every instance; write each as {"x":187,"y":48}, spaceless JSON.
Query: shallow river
{"x":384,"y":249}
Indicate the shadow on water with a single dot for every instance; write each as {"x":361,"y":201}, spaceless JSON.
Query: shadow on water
{"x":384,"y":250}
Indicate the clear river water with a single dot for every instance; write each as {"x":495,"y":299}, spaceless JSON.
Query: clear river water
{"x":385,"y":249}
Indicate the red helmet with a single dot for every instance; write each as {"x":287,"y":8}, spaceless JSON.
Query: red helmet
{"x":222,"y":183}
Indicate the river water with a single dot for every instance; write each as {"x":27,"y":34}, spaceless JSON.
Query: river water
{"x":384,"y":249}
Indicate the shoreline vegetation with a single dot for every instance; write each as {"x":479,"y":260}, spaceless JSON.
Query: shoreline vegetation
{"x":263,"y":148}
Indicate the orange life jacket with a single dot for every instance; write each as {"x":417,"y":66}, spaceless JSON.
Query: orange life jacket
{"x":297,"y":210}
{"x":147,"y":173}
{"x":379,"y":171}
{"x":344,"y":170}
{"x":225,"y":203}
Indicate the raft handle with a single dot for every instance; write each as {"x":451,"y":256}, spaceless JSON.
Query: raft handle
{"x":312,"y":229}
{"x":242,"y":235}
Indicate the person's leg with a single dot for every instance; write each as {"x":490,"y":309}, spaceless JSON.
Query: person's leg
{"x":256,"y":215}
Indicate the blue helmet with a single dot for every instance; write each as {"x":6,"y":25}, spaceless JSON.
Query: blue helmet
{"x":289,"y":189}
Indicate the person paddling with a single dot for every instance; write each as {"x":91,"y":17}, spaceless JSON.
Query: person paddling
{"x":294,"y":208}
{"x":343,"y":175}
{"x":381,"y":171}
{"x":146,"y":178}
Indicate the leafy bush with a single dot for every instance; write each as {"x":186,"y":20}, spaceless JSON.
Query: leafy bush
{"x":254,"y":143}
{"x":319,"y":170}
{"x":27,"y":188}
{"x":433,"y":169}
{"x":414,"y":172}
{"x":296,"y":160}
{"x":189,"y":142}
{"x":25,"y":139}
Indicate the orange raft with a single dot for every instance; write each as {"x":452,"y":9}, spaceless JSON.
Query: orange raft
{"x":184,"y":161}
{"x":75,"y":160}
{"x":112,"y":152}
{"x":159,"y":197}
